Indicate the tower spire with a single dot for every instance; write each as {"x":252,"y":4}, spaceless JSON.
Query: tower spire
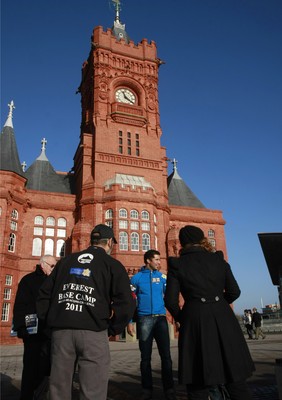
{"x":119,"y":29}
{"x":9,"y":121}
{"x":117,"y":7}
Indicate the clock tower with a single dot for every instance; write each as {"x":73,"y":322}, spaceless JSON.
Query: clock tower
{"x":120,"y":166}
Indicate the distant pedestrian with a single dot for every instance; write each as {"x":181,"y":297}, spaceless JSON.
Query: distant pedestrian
{"x":247,"y":320}
{"x":36,"y":357}
{"x":149,"y":286}
{"x":85,"y":299}
{"x":256,"y":322}
{"x":212,"y":347}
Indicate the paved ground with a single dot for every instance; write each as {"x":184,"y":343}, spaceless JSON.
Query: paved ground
{"x":124,"y":381}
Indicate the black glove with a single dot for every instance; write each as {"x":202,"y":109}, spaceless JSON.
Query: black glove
{"x":22,"y":333}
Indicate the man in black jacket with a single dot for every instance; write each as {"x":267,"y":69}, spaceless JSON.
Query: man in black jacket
{"x":86,"y":298}
{"x":256,"y":322}
{"x":36,"y":357}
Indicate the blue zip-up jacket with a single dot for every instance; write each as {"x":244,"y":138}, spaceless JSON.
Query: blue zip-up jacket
{"x":149,"y":288}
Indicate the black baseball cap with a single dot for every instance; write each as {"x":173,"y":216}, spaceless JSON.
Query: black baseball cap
{"x":102,"y":231}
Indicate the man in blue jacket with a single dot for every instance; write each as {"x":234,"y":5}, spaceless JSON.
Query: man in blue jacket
{"x":149,"y":287}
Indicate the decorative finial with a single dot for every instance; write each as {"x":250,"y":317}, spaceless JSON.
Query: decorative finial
{"x":174,"y":163}
{"x":117,"y":7}
{"x":9,"y":121}
{"x":23,"y":164}
{"x":43,"y":142}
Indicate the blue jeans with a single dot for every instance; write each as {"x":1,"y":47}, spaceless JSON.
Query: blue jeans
{"x":149,"y":328}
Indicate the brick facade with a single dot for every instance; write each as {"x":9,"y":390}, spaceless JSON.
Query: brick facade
{"x":120,"y":175}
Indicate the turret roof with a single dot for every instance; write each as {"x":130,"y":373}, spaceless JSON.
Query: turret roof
{"x":179,"y":193}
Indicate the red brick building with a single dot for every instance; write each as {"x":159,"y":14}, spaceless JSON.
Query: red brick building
{"x":119,"y":175}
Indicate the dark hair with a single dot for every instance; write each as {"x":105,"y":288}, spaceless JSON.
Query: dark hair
{"x":150,"y":254}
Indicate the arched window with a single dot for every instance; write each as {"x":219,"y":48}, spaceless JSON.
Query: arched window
{"x":60,"y":249}
{"x":134,"y":241}
{"x":145,"y":242}
{"x":50,"y":221}
{"x":122,"y":213}
{"x":38,"y":220}
{"x":37,"y":247}
{"x":14,"y":214}
{"x":109,"y":214}
{"x":49,"y":247}
{"x":62,"y":222}
{"x":211,"y":233}
{"x":123,"y":241}
{"x":145,"y":215}
{"x":134,"y":214}
{"x":12,"y":243}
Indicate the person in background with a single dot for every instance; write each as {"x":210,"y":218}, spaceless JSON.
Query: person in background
{"x":212,"y":347}
{"x":36,"y":356}
{"x":256,"y":322}
{"x":149,"y":287}
{"x":86,"y":299}
{"x":247,"y":320}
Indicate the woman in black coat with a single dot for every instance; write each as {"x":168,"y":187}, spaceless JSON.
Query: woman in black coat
{"x":212,"y":347}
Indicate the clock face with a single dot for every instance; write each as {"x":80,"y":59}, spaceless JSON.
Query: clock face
{"x":125,"y":96}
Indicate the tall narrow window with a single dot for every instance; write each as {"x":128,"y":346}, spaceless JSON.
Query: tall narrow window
{"x":60,"y":248}
{"x":7,"y":293}
{"x":134,"y":241}
{"x":37,"y":247}
{"x":12,"y":243}
{"x":8,"y":280}
{"x":49,"y":247}
{"x":145,"y":242}
{"x":123,"y":241}
{"x":5,"y":312}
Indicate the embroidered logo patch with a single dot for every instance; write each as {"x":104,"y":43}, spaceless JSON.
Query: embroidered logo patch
{"x":85,"y":258}
{"x":80,"y":272}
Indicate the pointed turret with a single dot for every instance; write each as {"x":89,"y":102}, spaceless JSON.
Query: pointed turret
{"x":42,"y":176}
{"x":179,"y":193}
{"x":119,"y":29}
{"x":9,"y":157}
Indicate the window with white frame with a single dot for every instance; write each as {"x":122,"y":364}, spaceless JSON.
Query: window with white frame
{"x":134,"y":225}
{"x":211,"y":233}
{"x":145,"y":215}
{"x":122,"y":224}
{"x":50,"y":221}
{"x":12,"y":243}
{"x":36,"y":247}
{"x":14,"y":225}
{"x":7,"y":293}
{"x":123,"y":241}
{"x":5,"y":312}
{"x":212,"y":242}
{"x":145,"y":226}
{"x":38,"y":220}
{"x":109,"y":223}
{"x":122,"y":213}
{"x":134,"y":214}
{"x":134,"y":241}
{"x":15,"y":214}
{"x":60,"y":248}
{"x":8,"y":280}
{"x":49,"y":246}
{"x":62,"y":222}
{"x":145,"y":241}
{"x":109,"y":214}
{"x":52,"y":229}
{"x":37,"y":231}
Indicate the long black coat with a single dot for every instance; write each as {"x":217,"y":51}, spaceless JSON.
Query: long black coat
{"x":212,"y":347}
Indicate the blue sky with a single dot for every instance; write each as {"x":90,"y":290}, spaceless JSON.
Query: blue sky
{"x":220,"y":93}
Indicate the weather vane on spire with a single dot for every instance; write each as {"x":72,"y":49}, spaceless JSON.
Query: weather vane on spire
{"x":117,"y":7}
{"x":9,"y":121}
